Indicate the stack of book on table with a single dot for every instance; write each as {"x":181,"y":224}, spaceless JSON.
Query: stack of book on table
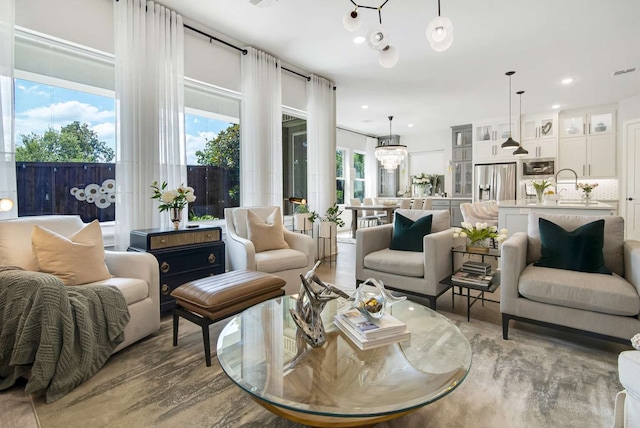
{"x":367,"y":333}
{"x":473,"y":273}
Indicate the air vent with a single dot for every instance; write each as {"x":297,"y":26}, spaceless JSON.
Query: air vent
{"x":262,"y":3}
{"x":628,"y":70}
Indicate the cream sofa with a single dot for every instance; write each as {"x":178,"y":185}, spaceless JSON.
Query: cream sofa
{"x":136,"y":275}
{"x":627,"y":414}
{"x":416,"y":273}
{"x":286,"y":263}
{"x":604,"y":306}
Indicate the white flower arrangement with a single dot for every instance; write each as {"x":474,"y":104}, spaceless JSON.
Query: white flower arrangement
{"x":635,"y":341}
{"x":479,"y":232}
{"x":421,"y":179}
{"x":178,"y":198}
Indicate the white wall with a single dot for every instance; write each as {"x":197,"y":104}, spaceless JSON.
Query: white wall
{"x":437,"y":142}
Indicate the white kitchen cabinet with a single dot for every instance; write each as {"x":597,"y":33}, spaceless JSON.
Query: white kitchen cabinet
{"x":587,"y":142}
{"x":545,"y":148}
{"x":539,"y":126}
{"x":588,"y":122}
{"x":490,"y":151}
{"x":589,"y":156}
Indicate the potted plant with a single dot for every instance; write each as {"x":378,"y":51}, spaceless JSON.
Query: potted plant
{"x":330,"y":221}
{"x":303,"y":218}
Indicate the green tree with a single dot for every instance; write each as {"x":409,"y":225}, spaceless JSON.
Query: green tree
{"x":74,"y":142}
{"x":224,"y":152}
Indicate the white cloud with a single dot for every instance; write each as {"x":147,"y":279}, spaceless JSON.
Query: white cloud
{"x":39,"y":119}
{"x":197,"y":142}
{"x":33,"y":90}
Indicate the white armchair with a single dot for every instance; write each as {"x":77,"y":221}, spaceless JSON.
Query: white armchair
{"x":287,"y":263}
{"x":415,"y":273}
{"x":627,"y":413}
{"x":136,"y":275}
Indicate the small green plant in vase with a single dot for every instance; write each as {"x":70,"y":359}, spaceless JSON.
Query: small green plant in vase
{"x":540,"y":186}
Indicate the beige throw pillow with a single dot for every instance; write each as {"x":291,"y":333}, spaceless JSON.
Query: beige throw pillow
{"x":76,"y":260}
{"x":266,"y":234}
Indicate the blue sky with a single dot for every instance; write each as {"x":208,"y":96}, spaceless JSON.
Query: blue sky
{"x":39,"y":106}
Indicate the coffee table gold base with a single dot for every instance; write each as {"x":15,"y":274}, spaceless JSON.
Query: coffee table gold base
{"x":327,"y":421}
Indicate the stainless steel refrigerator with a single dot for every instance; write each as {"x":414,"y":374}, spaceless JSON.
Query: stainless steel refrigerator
{"x":497,"y":181}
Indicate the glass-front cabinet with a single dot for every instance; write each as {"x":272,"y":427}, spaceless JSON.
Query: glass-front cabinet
{"x":581,"y":123}
{"x":462,"y":152}
{"x":535,"y":127}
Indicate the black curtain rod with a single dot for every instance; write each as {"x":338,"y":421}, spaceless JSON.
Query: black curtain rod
{"x":355,"y":132}
{"x":244,"y":51}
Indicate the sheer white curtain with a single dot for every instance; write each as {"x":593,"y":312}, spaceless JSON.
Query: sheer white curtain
{"x":261,"y":133}
{"x":371,"y":168}
{"x":321,"y":143}
{"x":8,"y":188}
{"x":149,"y":56}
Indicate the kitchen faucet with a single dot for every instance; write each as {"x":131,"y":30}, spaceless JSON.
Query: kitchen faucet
{"x":574,"y":173}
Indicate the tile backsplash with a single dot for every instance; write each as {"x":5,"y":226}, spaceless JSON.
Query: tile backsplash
{"x":607,"y":189}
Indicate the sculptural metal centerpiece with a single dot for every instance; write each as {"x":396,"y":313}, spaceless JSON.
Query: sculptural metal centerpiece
{"x":314,"y":295}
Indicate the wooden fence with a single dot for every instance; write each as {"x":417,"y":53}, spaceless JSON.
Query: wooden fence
{"x":86,"y":189}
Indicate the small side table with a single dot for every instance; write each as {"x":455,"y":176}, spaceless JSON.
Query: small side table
{"x":493,"y":286}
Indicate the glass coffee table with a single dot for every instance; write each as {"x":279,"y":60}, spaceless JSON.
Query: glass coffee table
{"x":338,"y":384}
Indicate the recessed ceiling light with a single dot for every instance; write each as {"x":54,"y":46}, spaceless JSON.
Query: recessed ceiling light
{"x":567,"y":80}
{"x":555,"y":106}
{"x":410,"y":125}
{"x":359,"y":40}
{"x":365,"y":106}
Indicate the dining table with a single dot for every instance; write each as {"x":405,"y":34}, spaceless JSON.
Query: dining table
{"x":389,"y":209}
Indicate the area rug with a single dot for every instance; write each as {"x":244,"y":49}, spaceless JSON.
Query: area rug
{"x":531,"y":380}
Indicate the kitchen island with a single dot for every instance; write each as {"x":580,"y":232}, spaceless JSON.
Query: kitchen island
{"x":513,"y":215}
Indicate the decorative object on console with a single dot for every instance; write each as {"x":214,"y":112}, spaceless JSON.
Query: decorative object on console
{"x":422,"y":182}
{"x":173,"y":201}
{"x":100,"y":195}
{"x":309,"y":305}
{"x":478,"y":236}
{"x":390,"y":155}
{"x":376,"y":37}
{"x":510,"y":143}
{"x":587,"y":188}
{"x":521,"y":151}
{"x":440,"y":32}
{"x":372,"y":299}
{"x":540,"y":186}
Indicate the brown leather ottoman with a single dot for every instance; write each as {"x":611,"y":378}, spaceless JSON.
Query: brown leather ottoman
{"x":208,"y":300}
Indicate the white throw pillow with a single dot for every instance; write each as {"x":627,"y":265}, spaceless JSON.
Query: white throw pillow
{"x":267,"y":234}
{"x":76,"y":260}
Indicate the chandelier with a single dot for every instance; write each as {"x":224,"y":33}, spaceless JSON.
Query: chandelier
{"x":390,"y":155}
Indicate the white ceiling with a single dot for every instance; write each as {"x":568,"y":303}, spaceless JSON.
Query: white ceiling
{"x":542,"y":40}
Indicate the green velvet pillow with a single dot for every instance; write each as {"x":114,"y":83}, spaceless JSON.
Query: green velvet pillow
{"x":408,"y":234}
{"x":580,"y":250}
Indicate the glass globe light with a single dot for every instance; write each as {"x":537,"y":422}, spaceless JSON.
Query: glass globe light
{"x":440,"y":33}
{"x":377,"y":38}
{"x":351,"y":20}
{"x":388,"y":56}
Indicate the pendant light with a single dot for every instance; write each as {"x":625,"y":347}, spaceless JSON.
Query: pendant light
{"x":510,"y":143}
{"x":520,"y":151}
{"x":390,"y":155}
{"x":351,"y":20}
{"x":440,"y":32}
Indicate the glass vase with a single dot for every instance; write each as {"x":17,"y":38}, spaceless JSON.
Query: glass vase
{"x":586,"y":197}
{"x":176,"y":216}
{"x":539,"y":194}
{"x":481,"y":246}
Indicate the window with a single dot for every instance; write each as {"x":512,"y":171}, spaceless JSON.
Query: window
{"x":65,"y":148}
{"x":359,"y":179}
{"x":340,"y":181}
{"x":294,"y":158}
{"x":213,"y":163}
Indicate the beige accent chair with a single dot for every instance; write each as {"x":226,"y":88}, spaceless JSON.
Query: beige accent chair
{"x":287,"y":263}
{"x":135,"y":274}
{"x":627,"y":412}
{"x":414,"y":273}
{"x":602,"y":306}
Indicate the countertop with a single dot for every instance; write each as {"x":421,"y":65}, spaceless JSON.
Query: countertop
{"x":435,"y":198}
{"x":561,"y":204}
